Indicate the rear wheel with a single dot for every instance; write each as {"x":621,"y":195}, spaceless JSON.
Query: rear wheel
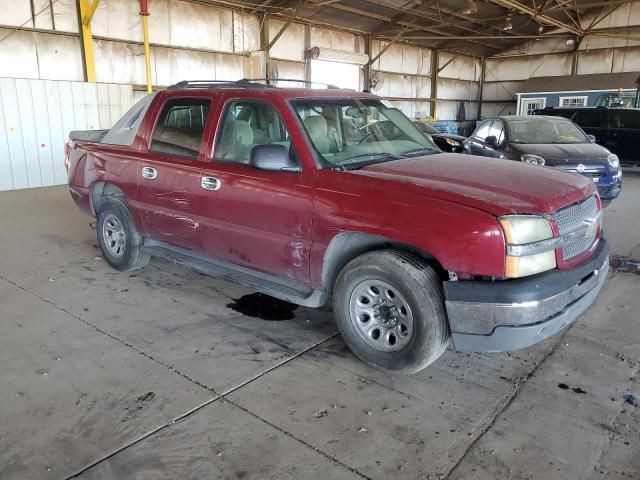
{"x":390,"y":311}
{"x":120,"y":242}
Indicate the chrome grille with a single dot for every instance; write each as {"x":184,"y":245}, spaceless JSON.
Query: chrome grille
{"x":570,"y":219}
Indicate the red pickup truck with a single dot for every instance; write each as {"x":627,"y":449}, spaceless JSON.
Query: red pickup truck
{"x":291,"y":192}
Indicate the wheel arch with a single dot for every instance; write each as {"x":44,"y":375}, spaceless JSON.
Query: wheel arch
{"x":102,"y":190}
{"x":346,"y":246}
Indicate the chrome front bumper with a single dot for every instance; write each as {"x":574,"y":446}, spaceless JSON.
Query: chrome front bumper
{"x":514,"y":314}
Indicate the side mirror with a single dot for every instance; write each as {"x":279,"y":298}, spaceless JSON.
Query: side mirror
{"x":273,"y":158}
{"x":492,"y":140}
{"x":591,"y":138}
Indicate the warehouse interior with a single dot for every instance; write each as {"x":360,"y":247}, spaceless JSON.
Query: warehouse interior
{"x":165,"y":373}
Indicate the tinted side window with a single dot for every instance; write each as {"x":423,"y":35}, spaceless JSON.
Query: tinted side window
{"x":589,"y":118}
{"x":624,"y":119}
{"x":248,"y":123}
{"x":180,"y":127}
{"x":482,"y":131}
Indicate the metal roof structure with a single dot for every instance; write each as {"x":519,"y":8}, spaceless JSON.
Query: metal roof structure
{"x":476,"y":27}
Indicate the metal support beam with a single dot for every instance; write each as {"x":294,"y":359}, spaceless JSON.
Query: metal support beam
{"x":366,"y":70}
{"x":483,"y":74}
{"x":447,"y":63}
{"x":307,"y":46}
{"x":281,"y":31}
{"x":144,"y":13}
{"x":85,"y":15}
{"x":575,"y":56}
{"x":387,"y":46}
{"x":537,"y":15}
{"x":90,"y":12}
{"x":265,"y":46}
{"x":435,"y":62}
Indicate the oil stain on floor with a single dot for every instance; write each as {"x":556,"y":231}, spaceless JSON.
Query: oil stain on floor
{"x":258,"y":305}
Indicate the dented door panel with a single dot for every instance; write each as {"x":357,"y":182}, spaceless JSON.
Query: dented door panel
{"x":169,"y":202}
{"x":258,"y":219}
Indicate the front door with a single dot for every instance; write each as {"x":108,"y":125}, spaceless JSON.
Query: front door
{"x":255,"y":218}
{"x":169,"y":173}
{"x":476,"y":144}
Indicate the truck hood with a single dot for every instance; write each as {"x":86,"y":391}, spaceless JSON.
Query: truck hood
{"x":497,"y":186}
{"x":565,"y":154}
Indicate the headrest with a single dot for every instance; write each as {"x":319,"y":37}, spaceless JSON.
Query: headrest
{"x":242,"y":132}
{"x":316,"y":126}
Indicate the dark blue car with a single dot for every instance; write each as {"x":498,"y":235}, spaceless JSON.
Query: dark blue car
{"x":551,"y":141}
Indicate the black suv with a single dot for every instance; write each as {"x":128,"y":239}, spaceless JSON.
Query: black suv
{"x":617,"y":129}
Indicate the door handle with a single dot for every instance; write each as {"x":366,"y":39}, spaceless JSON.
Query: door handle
{"x":210,"y":183}
{"x":149,"y":173}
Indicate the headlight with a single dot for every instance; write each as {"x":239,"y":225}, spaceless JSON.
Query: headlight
{"x":523,"y":229}
{"x":613,"y":160}
{"x":530,"y":245}
{"x":532,"y":159}
{"x":452,"y":142}
{"x":531,"y":264}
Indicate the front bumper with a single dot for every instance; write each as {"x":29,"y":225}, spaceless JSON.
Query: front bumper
{"x":514,"y":314}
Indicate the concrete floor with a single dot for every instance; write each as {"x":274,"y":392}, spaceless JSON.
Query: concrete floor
{"x":152,"y":375}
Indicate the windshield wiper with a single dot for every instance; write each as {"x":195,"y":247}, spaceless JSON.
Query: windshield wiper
{"x":420,"y":151}
{"x":351,"y":165}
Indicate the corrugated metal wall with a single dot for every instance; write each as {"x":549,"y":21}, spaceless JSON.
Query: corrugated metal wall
{"x":36,"y":117}
{"x":555,"y":56}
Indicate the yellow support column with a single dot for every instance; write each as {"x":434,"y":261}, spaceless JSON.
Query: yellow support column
{"x":86,"y":15}
{"x":144,"y":13}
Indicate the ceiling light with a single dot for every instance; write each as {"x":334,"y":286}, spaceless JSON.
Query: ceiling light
{"x":507,"y":25}
{"x":540,"y":29}
{"x":571,"y":42}
{"x":470,"y":8}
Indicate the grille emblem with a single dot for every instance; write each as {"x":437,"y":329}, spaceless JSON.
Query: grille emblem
{"x":580,"y":168}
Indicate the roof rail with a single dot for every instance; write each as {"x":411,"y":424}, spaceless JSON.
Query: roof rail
{"x":214,"y":84}
{"x":244,"y":83}
{"x":294,"y":80}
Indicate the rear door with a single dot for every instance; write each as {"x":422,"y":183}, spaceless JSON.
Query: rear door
{"x":255,"y":218}
{"x":169,"y":172}
{"x":623,"y":133}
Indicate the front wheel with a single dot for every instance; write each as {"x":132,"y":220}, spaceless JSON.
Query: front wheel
{"x":390,"y":311}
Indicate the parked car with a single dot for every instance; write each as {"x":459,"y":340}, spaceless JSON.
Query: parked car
{"x":551,"y":141}
{"x":447,"y":142}
{"x":415,"y":247}
{"x":617,"y":129}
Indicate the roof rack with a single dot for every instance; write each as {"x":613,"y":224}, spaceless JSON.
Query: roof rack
{"x":244,"y":83}
{"x":215,"y":84}
{"x":294,"y":80}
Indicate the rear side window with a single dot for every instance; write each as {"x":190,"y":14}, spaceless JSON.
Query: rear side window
{"x":589,"y":118}
{"x":624,"y":119}
{"x":180,"y":127}
{"x":483,"y":130}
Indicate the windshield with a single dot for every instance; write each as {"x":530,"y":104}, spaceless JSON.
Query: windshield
{"x":351,"y":133}
{"x":545,"y":130}
{"x":426,"y":128}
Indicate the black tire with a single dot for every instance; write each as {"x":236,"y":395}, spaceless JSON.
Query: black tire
{"x":421,"y":288}
{"x":131,"y":256}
